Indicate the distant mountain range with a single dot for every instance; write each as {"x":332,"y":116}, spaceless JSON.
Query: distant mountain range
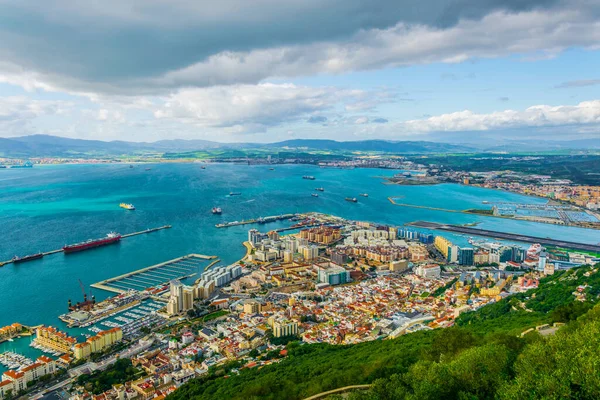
{"x":54,"y":146}
{"x":45,"y":145}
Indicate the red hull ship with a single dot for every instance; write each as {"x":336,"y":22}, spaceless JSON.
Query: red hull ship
{"x":90,"y":244}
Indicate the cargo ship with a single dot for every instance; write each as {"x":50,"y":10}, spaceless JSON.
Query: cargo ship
{"x":91,"y":243}
{"x":309,"y":177}
{"x":351,"y":199}
{"x":29,"y":257}
{"x":217,"y":210}
{"x":320,"y":189}
{"x":127,"y":206}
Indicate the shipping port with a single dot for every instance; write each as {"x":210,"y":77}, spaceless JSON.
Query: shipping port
{"x":83,"y":245}
{"x":157,"y":275}
{"x":260,"y":220}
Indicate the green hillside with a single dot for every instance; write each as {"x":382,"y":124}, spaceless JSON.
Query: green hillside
{"x":482,"y":357}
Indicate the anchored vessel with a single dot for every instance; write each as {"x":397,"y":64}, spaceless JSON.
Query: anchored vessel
{"x":91,"y":243}
{"x":320,"y":189}
{"x":309,"y":177}
{"x":234,"y":193}
{"x":217,"y":210}
{"x":127,"y":206}
{"x":29,"y":257}
{"x":315,"y":195}
{"x":351,"y":199}
{"x":364,"y":194}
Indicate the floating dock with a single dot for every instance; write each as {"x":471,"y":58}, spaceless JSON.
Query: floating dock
{"x":150,"y":230}
{"x":157,"y":275}
{"x":257,"y":220}
{"x":507,"y":236}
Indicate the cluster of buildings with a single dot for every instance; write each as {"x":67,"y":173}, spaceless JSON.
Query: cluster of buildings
{"x":95,"y":344}
{"x":13,"y":382}
{"x":321,"y":235}
{"x":10,"y":331}
{"x":51,"y":338}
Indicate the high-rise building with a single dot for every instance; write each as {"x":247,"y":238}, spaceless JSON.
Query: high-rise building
{"x":309,"y":252}
{"x":542,"y":261}
{"x":332,"y":274}
{"x":466,"y":256}
{"x":443,"y":245}
{"x":517,"y":254}
{"x":285,"y":328}
{"x":181,"y":298}
{"x":255,"y":237}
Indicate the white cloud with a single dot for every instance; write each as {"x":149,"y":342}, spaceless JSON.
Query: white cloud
{"x":249,"y":108}
{"x":18,"y":114}
{"x":584,"y":113}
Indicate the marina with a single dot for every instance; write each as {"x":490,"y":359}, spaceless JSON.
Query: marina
{"x":157,"y":275}
{"x":46,"y":253}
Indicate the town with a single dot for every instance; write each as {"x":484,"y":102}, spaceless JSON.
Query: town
{"x":330,"y":281}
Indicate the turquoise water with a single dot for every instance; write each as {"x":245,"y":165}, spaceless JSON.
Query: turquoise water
{"x":46,"y":207}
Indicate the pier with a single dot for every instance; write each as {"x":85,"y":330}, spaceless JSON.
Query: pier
{"x":257,"y":220}
{"x":507,"y":236}
{"x":156,"y":275}
{"x":150,"y":230}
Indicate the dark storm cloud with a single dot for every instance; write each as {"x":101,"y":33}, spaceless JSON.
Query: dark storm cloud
{"x":117,"y":42}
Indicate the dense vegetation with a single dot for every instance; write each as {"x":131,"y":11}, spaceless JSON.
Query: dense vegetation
{"x":482,"y":357}
{"x":98,"y":382}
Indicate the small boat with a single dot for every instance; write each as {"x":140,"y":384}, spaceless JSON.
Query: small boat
{"x":320,"y":189}
{"x":271,"y":169}
{"x":127,"y":206}
{"x":364,"y":194}
{"x":309,"y":177}
{"x":234,"y":193}
{"x":217,"y":210}
{"x":147,"y":169}
{"x":315,"y":195}
{"x":351,"y":199}
{"x":131,"y":166}
{"x":203,"y":167}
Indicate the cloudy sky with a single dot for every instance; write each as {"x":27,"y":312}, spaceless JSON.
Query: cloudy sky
{"x":269,"y":70}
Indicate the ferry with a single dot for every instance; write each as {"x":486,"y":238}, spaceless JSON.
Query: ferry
{"x":217,"y":210}
{"x":352,"y":199}
{"x":315,"y":195}
{"x":309,"y":177}
{"x":30,"y":257}
{"x":127,"y":206}
{"x":364,"y":194}
{"x":320,"y":189}
{"x":91,"y":243}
